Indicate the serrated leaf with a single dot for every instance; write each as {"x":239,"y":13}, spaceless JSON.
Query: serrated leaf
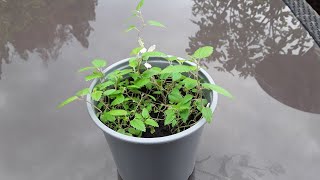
{"x":99,"y":63}
{"x":156,"y":23}
{"x":83,"y":92}
{"x":118,"y":112}
{"x":164,"y":76}
{"x":133,"y":62}
{"x":187,"y":98}
{"x":105,"y":84}
{"x":203,"y":52}
{"x":145,"y":113}
{"x":184,"y":114}
{"x":217,"y":89}
{"x":147,"y":55}
{"x":142,"y":82}
{"x":178,"y":69}
{"x":130,"y":28}
{"x":189,"y":83}
{"x":176,"y":76}
{"x":140,"y":4}
{"x":151,"y":122}
{"x":170,"y":116}
{"x":94,"y":75}
{"x":121,"y":131}
{"x":119,"y":99}
{"x":124,"y":72}
{"x":200,"y":103}
{"x":96,"y":95}
{"x":107,"y":117}
{"x":207,"y":114}
{"x":67,"y":101}
{"x":134,"y":76}
{"x":152,"y":97}
{"x":136,"y":50}
{"x":134,"y":131}
{"x":109,"y":92}
{"x":151,"y":72}
{"x":175,"y":96}
{"x":138,"y":124}
{"x":86,"y":69}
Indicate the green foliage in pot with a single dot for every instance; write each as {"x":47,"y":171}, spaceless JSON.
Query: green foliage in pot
{"x":146,"y":101}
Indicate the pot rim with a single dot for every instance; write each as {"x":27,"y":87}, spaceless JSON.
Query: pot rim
{"x":156,"y":140}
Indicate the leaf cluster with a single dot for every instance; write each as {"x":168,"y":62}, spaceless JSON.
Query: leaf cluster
{"x":143,"y":99}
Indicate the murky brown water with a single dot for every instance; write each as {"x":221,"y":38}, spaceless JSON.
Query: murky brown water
{"x":263,"y":56}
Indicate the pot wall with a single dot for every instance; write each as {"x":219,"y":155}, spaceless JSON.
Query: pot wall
{"x":174,"y":160}
{"x":163,"y":158}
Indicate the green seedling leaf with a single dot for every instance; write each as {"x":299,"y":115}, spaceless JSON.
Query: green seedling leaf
{"x":96,"y":95}
{"x":155,"y":23}
{"x":99,"y":63}
{"x":67,"y":101}
{"x":128,"y":134}
{"x":140,"y":4}
{"x":107,"y":117}
{"x":200,"y":103}
{"x":138,"y":124}
{"x":190,"y":83}
{"x":151,"y":72}
{"x":207,"y":114}
{"x":164,"y":76}
{"x":145,"y":113}
{"x":152,"y":97}
{"x":122,"y":131}
{"x":124,"y":72}
{"x":105,"y":84}
{"x":109,"y":92}
{"x":133,"y":62}
{"x":217,"y":89}
{"x":186,"y":99}
{"x":203,"y":52}
{"x":136,"y":50}
{"x":184,"y":114}
{"x":86,"y":69}
{"x":118,"y":112}
{"x":83,"y":92}
{"x":170,"y":116}
{"x":131,"y":28}
{"x":175,"y":96}
{"x":94,"y":75}
{"x":151,"y":122}
{"x":176,"y":76}
{"x":147,"y":55}
{"x":119,"y":99}
{"x":178,"y":69}
{"x":142,"y":82}
{"x":134,"y":131}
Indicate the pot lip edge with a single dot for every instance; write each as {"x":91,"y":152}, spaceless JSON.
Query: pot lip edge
{"x":157,"y":140}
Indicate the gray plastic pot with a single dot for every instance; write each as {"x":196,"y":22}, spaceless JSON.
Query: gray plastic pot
{"x":163,"y":158}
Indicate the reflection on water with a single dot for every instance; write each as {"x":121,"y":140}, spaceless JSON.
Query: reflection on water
{"x":244,"y":32}
{"x":236,"y":167}
{"x":256,"y":38}
{"x":42,"y":26}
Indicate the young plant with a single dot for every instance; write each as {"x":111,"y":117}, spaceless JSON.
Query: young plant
{"x":147,"y":101}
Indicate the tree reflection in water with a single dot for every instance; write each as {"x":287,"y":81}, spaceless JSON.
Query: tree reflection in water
{"x":262,"y":39}
{"x":43,"y":26}
{"x":244,"y":32}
